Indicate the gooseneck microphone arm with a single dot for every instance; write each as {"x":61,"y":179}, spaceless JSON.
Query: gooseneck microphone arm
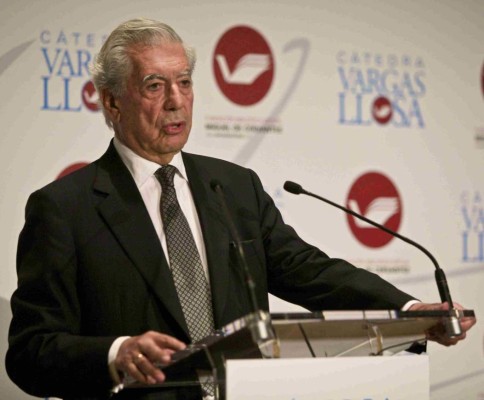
{"x":453,"y":329}
{"x":250,"y":284}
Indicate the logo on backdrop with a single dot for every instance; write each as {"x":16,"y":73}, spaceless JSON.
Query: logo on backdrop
{"x":243,"y":68}
{"x":66,"y":81}
{"x":379,"y":89}
{"x":374,"y":196}
{"x":243,"y":65}
{"x":472,"y":209}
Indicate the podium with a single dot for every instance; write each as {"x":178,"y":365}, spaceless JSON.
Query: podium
{"x":296,"y":336}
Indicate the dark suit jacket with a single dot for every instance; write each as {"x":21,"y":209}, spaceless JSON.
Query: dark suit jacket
{"x":91,"y":268}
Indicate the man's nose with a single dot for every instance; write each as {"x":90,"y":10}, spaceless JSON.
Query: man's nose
{"x":173,"y":98}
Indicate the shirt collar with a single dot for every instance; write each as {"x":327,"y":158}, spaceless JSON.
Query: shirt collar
{"x":142,"y":169}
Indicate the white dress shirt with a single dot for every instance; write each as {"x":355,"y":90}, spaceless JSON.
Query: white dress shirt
{"x":142,"y":171}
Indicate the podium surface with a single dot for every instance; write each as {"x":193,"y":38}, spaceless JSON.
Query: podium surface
{"x":291,"y":336}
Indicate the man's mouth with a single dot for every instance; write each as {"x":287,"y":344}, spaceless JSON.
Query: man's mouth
{"x":174,"y":128}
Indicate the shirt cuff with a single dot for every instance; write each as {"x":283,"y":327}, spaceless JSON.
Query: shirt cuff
{"x":409,"y":304}
{"x":113,"y":352}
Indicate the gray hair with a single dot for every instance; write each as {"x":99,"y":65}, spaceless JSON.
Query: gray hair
{"x":112,"y":66}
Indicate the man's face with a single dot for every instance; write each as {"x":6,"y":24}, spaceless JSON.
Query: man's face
{"x":155,"y":113}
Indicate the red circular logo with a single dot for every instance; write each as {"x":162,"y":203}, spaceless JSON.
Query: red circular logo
{"x":71,"y":168}
{"x":382,"y":110}
{"x":243,"y":65}
{"x":374,"y":196}
{"x":90,"y":97}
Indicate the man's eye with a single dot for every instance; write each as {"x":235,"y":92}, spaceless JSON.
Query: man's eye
{"x":186,"y":83}
{"x":154,"y":86}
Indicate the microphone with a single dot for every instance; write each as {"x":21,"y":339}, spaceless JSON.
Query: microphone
{"x":263,"y":330}
{"x":453,"y":327}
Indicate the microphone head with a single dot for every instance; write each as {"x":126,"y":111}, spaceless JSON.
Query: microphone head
{"x":215,"y":185}
{"x":293,"y":187}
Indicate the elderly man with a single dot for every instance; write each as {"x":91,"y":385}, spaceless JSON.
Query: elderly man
{"x":127,"y":260}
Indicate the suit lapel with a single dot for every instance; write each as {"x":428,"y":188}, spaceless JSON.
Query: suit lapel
{"x":124,"y":211}
{"x":215,"y":233}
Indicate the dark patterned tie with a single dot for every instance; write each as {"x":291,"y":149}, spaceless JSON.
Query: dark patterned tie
{"x":186,"y":266}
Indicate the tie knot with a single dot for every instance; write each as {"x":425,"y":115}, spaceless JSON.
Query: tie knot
{"x":165,"y":175}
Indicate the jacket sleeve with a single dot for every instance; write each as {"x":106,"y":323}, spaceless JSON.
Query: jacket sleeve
{"x":47,"y":354}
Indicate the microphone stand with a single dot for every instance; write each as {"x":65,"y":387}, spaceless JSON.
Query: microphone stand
{"x":259,"y":321}
{"x":452,"y":324}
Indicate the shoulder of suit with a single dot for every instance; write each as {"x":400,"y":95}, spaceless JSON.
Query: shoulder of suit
{"x":72,"y":182}
{"x":211,"y":161}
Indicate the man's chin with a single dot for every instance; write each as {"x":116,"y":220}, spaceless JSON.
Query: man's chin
{"x":173,"y":144}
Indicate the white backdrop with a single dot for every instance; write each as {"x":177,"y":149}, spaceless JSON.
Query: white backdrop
{"x":341,"y":89}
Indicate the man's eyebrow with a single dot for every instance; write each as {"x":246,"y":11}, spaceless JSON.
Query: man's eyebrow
{"x":151,"y":77}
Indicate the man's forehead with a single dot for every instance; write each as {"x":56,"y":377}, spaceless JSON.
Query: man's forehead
{"x":159,"y":62}
{"x":169,"y":49}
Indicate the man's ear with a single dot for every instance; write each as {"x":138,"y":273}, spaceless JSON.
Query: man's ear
{"x":110,"y":104}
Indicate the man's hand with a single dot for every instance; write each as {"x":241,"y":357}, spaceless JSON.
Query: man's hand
{"x":437,"y":333}
{"x":138,"y":355}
